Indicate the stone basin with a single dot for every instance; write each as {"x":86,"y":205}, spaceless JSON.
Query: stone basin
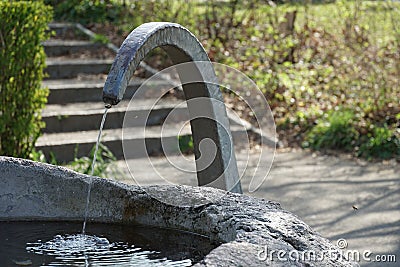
{"x":245,"y":226}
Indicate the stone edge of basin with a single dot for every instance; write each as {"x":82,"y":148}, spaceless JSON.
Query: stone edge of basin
{"x":245,"y":225}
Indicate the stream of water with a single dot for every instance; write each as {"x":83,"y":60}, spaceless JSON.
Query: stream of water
{"x":92,"y":168}
{"x":77,"y":243}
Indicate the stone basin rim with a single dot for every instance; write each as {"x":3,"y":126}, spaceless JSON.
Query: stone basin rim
{"x":36,"y":191}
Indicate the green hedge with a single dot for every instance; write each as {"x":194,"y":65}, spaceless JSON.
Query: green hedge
{"x":22,"y":60}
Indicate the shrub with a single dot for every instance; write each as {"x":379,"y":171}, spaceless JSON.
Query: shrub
{"x":381,"y":143}
{"x":104,"y":158}
{"x":341,"y":130}
{"x":103,"y":167}
{"x":22,"y":29}
{"x":86,"y":11}
{"x":336,"y":131}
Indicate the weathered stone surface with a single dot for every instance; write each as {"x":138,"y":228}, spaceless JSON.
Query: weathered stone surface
{"x":246,"y":225}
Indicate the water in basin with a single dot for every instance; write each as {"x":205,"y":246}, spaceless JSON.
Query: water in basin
{"x":58,"y":244}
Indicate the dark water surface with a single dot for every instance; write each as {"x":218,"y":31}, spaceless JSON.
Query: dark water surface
{"x":62,"y":244}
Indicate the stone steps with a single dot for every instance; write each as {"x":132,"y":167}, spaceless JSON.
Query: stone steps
{"x":70,"y":68}
{"x":65,"y":146}
{"x":86,"y":116}
{"x":73,"y":90}
{"x":54,"y":48}
{"x":60,"y":28}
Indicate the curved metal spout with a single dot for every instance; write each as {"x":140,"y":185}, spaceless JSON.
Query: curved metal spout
{"x":182,"y":46}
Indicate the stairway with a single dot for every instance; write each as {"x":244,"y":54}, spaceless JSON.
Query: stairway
{"x":77,"y":68}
